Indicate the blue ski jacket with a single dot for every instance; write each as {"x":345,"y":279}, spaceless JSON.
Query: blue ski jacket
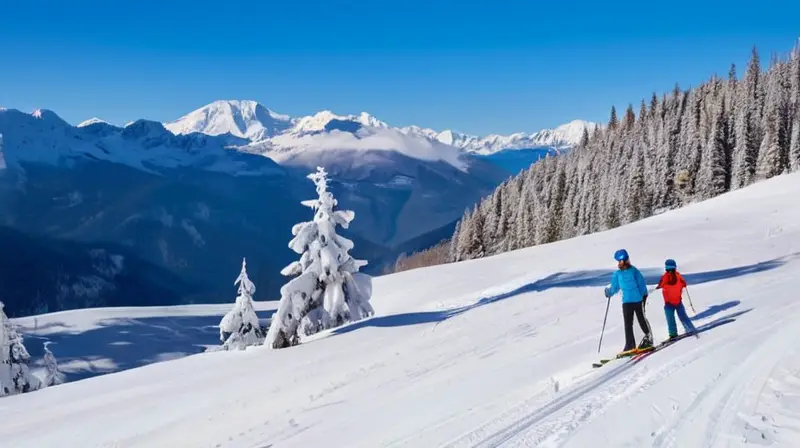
{"x":631,"y":282}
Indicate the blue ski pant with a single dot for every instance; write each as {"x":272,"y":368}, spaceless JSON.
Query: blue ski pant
{"x":670,"y":310}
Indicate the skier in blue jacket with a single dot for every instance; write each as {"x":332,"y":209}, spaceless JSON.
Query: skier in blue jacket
{"x":631,"y":282}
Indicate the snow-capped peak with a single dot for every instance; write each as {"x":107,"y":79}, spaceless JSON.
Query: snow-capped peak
{"x":573,"y":130}
{"x":90,"y":122}
{"x":321,"y":120}
{"x":244,"y":119}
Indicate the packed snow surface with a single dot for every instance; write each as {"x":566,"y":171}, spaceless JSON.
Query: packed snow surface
{"x":494,"y":352}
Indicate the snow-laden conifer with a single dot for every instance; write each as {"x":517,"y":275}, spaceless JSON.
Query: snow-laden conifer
{"x":328,"y":290}
{"x":240,"y":328}
{"x":15,"y":376}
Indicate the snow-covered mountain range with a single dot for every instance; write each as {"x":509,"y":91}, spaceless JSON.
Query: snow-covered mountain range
{"x":244,"y":119}
{"x":44,"y":137}
{"x":251,"y":120}
{"x":564,"y":136}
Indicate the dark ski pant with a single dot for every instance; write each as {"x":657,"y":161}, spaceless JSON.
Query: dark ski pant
{"x":670,"y":310}
{"x":628,"y":310}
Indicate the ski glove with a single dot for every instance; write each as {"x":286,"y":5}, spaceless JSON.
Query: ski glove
{"x":607,"y":292}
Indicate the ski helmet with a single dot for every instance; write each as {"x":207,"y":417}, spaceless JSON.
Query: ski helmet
{"x":670,"y":264}
{"x":621,"y":255}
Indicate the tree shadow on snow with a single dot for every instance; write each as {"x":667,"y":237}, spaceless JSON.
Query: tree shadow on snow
{"x":578,"y":279}
{"x":124,"y":343}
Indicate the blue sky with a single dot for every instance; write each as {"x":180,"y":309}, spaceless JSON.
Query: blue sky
{"x":475,"y":67}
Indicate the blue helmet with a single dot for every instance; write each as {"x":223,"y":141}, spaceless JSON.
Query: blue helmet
{"x":621,"y":255}
{"x":670,"y":264}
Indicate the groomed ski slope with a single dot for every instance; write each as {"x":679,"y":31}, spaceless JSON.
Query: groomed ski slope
{"x":494,"y":352}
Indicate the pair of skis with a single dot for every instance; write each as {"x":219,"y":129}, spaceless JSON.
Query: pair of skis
{"x":633,"y":354}
{"x":639,"y":353}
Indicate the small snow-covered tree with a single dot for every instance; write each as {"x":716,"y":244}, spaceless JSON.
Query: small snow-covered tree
{"x":794,"y":148}
{"x":15,"y":376}
{"x":240,"y":328}
{"x":328,"y":290}
{"x":53,"y":376}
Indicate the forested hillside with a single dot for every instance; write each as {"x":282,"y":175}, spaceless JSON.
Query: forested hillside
{"x":686,"y":146}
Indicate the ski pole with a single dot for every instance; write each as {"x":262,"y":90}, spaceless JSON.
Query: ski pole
{"x":604,"y":325}
{"x":689,"y":296}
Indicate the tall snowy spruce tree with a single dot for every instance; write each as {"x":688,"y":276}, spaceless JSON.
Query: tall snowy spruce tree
{"x":683,"y":146}
{"x":328,"y":290}
{"x":240,"y":328}
{"x":15,"y":376}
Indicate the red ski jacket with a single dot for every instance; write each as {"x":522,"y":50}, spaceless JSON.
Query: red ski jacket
{"x":671,"y":286}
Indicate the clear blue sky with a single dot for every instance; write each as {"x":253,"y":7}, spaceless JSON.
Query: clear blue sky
{"x":483,"y":67}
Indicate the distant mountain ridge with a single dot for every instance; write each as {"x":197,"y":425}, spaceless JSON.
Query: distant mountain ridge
{"x":251,"y":120}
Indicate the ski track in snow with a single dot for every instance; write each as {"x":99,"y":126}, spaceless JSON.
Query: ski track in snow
{"x":549,"y":419}
{"x":744,"y":383}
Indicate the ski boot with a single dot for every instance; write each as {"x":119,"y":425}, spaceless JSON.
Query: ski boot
{"x":647,"y":343}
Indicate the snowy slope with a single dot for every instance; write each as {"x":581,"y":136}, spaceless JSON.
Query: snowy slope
{"x":495,"y":351}
{"x":104,"y":340}
{"x":244,"y":119}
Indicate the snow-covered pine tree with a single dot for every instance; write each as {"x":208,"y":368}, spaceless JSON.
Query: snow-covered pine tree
{"x":53,"y":375}
{"x":584,"y":138}
{"x":524,"y":229}
{"x":613,"y":121}
{"x":747,"y":124}
{"x":493,"y":232}
{"x":770,"y":156}
{"x":630,"y":118}
{"x":794,"y":81}
{"x":464,"y":236}
{"x":713,"y":177}
{"x":794,"y":149}
{"x":635,"y":201}
{"x":239,"y":328}
{"x":15,"y":376}
{"x":453,"y":249}
{"x":475,"y":245}
{"x":328,"y":290}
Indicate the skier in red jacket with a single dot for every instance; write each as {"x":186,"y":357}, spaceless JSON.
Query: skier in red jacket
{"x":672,"y":284}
